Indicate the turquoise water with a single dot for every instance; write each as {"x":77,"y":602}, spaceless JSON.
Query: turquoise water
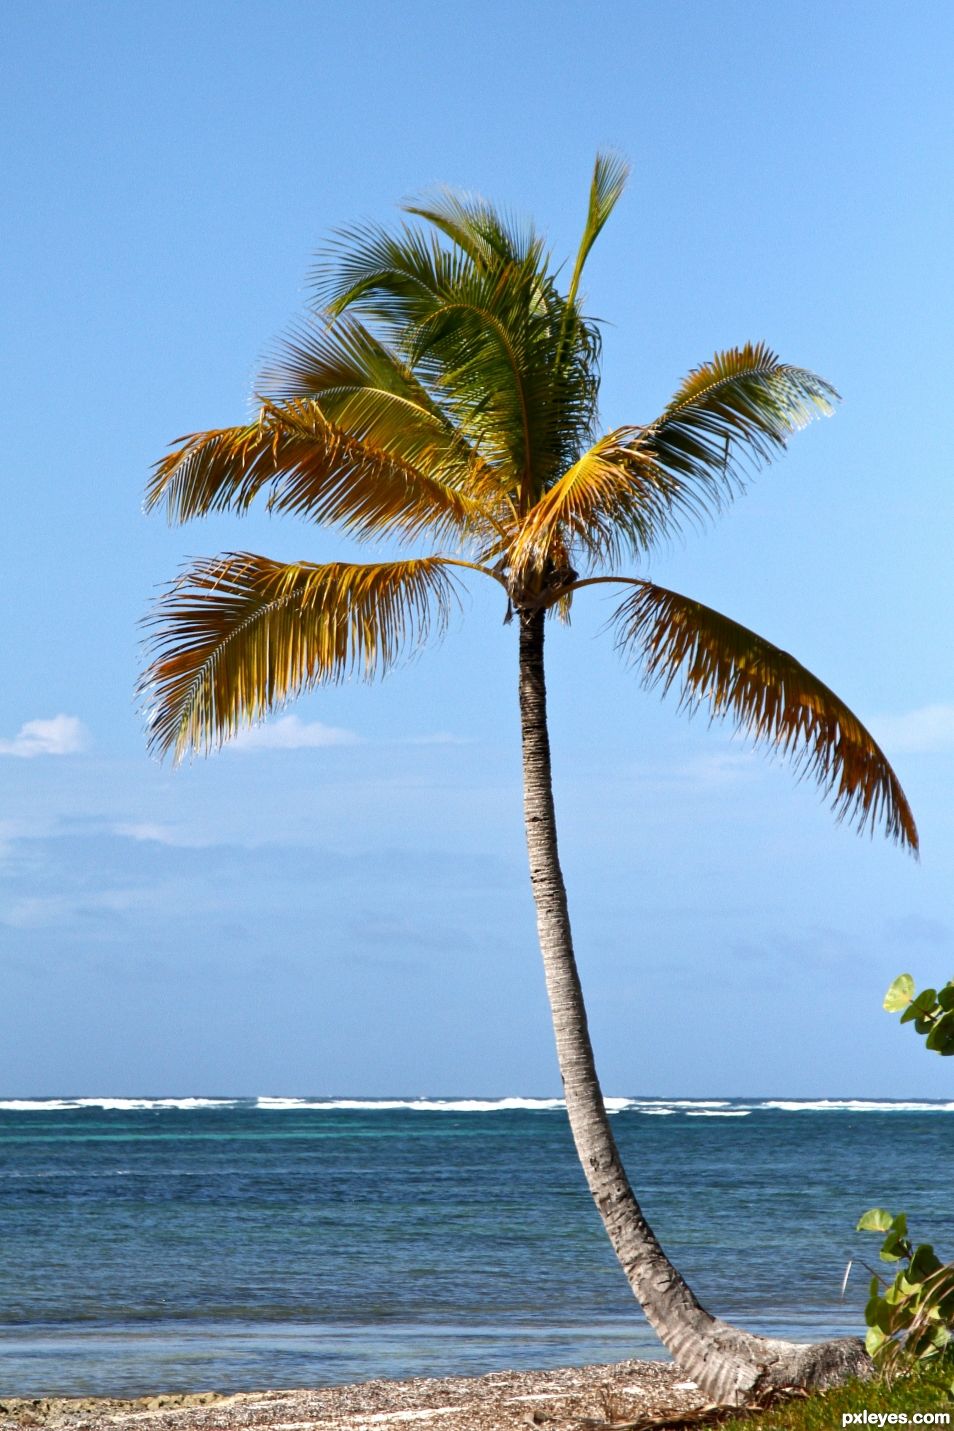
{"x":202,"y":1244}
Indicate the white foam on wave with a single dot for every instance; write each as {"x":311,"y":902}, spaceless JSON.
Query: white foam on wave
{"x":650,"y":1107}
{"x":718,"y":1112}
{"x":418,"y":1105}
{"x":853,"y":1105}
{"x":41,"y":1105}
{"x":283,"y":1105}
{"x":124,"y":1104}
{"x":646,"y":1103}
{"x":427,"y":1105}
{"x":660,"y":1107}
{"x":31,"y":1105}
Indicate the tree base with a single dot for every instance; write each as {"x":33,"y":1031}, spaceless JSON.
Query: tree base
{"x":735,"y":1368}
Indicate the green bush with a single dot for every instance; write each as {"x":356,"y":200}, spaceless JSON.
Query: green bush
{"x":910,"y":1319}
{"x":931,"y":1012}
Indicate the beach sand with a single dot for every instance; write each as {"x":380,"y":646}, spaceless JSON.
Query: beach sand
{"x":567,"y":1399}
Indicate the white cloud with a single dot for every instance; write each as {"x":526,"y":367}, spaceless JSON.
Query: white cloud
{"x":177,"y":837}
{"x":143,"y":830}
{"x":292,"y":733}
{"x":61,"y":735}
{"x":35,"y":912}
{"x":726,"y":767}
{"x":927,"y":729}
{"x":440,"y":737}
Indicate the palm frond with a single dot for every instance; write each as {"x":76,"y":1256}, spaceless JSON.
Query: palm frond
{"x":523,"y":393}
{"x":365,"y":389}
{"x":384,"y":276}
{"x":730,"y":416}
{"x":488,"y":237}
{"x":314,"y":469}
{"x":610,"y":174}
{"x":484,"y":330}
{"x":613,"y":498}
{"x":769,"y":696}
{"x":238,"y":635}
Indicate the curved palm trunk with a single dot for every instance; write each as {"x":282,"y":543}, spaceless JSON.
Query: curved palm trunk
{"x":731,"y":1366}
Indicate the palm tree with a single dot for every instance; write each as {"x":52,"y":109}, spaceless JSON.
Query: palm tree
{"x":446,"y":389}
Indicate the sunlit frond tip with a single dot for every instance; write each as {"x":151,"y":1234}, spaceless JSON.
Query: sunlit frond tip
{"x":610,"y":174}
{"x":729,"y":418}
{"x":769,"y":696}
{"x":238,"y":635}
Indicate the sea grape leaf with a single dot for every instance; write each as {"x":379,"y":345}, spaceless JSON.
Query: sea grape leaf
{"x":924,"y":1006}
{"x":923,"y":1262}
{"x":900,"y":994}
{"x":874,"y":1340}
{"x":876,"y":1219}
{"x":941,"y":1037}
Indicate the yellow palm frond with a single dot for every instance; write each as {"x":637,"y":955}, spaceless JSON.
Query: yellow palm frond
{"x":769,"y":695}
{"x":632,"y":485}
{"x":368,"y":391}
{"x":614,"y":497}
{"x":316,"y":470}
{"x":239,"y":634}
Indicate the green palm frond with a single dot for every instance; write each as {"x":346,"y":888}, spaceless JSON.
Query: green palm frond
{"x":489,"y":238}
{"x":730,"y":416}
{"x":769,"y":696}
{"x":238,"y":635}
{"x":491,"y":339}
{"x":497,"y":347}
{"x":389,"y":278}
{"x":314,"y":469}
{"x":610,"y":174}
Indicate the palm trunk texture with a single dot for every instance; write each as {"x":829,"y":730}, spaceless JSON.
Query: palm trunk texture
{"x":732,"y":1367}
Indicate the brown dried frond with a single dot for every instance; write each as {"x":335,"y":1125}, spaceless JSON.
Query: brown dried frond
{"x":770,"y":696}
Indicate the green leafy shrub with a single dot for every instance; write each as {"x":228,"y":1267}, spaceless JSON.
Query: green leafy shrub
{"x":931,"y":1012}
{"x":911,"y":1318}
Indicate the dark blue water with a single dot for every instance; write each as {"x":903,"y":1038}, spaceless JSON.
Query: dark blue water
{"x":243,"y":1244}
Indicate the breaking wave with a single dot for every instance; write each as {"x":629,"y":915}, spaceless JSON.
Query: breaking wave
{"x":41,"y":1105}
{"x":646,"y":1107}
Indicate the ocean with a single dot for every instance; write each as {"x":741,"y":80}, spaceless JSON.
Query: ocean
{"x":230,"y":1244}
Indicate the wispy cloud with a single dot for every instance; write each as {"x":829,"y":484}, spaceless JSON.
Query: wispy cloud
{"x":721,"y":768}
{"x":929,"y":728}
{"x":292,"y":733}
{"x":158,"y":834}
{"x":60,"y":735}
{"x":439,"y":737}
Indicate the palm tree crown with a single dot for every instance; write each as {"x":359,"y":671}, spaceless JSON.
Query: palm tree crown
{"x":446,"y":390}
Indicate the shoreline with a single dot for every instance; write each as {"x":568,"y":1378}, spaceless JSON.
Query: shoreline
{"x":561,"y":1399}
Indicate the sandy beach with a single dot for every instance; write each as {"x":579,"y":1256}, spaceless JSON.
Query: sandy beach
{"x":567,"y":1399}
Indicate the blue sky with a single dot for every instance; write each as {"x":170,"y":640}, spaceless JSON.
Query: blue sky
{"x":341,"y":905}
